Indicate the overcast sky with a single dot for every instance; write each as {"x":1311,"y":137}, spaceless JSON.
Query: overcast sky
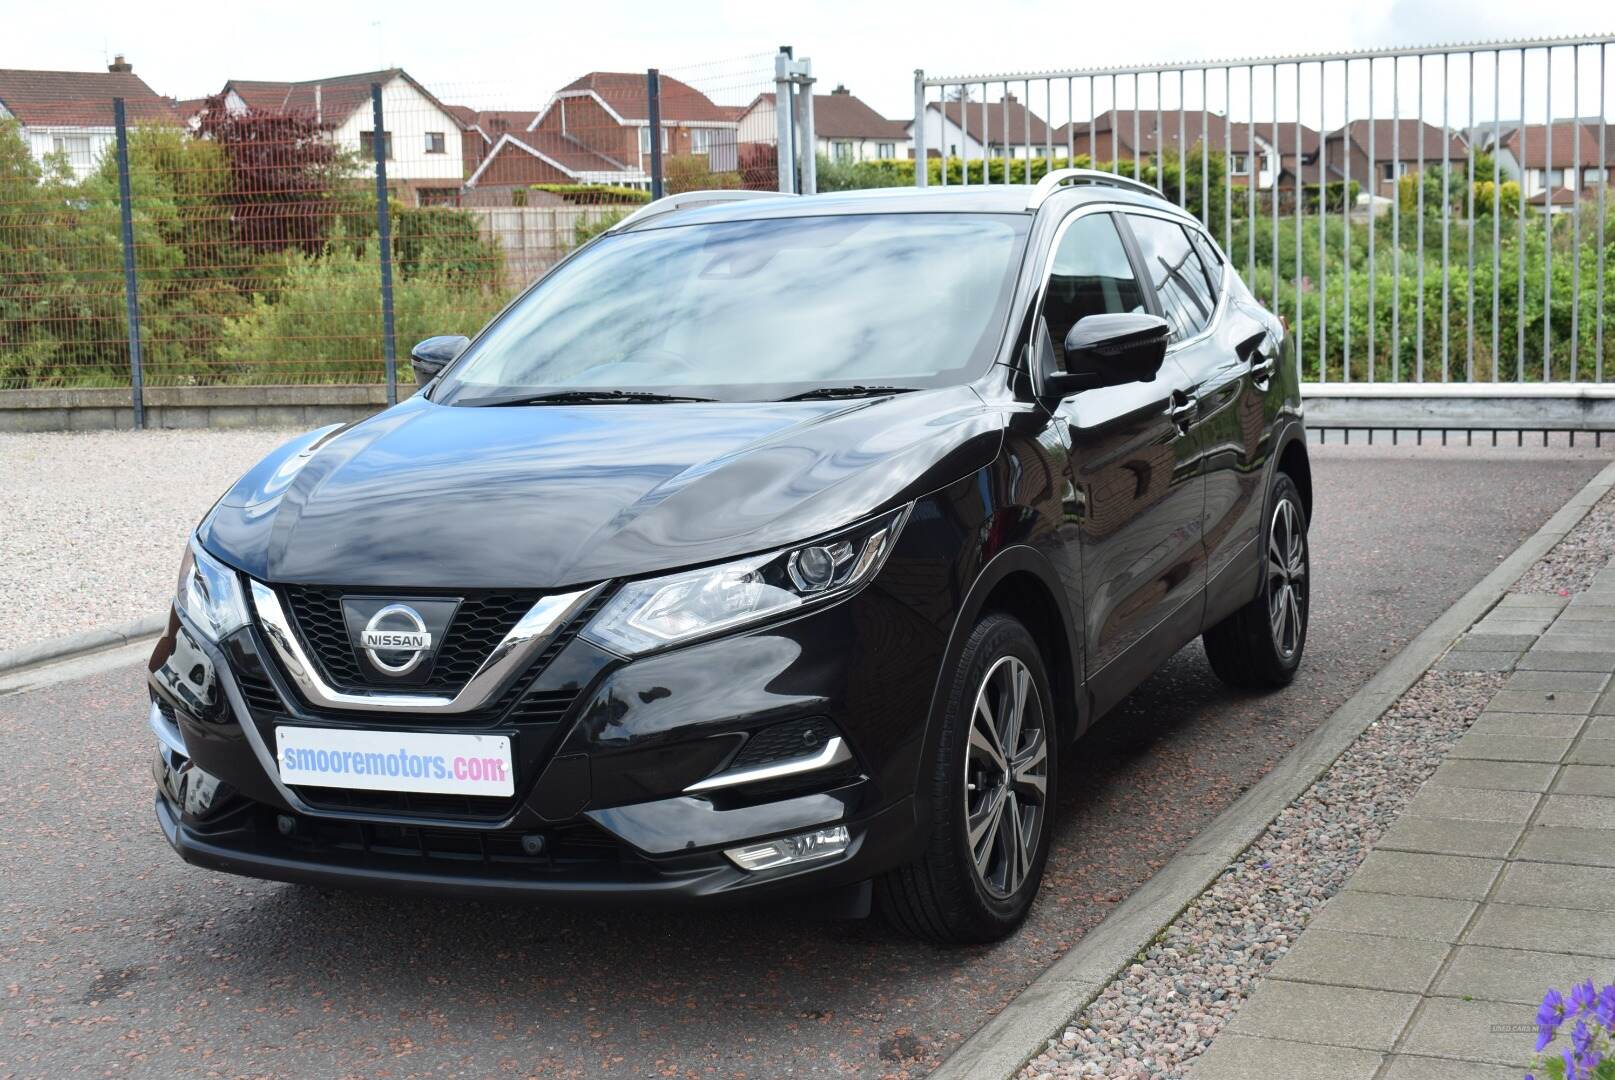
{"x":493,"y":54}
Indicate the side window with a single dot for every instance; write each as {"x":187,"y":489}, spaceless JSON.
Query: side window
{"x":1212,"y":261}
{"x":1175,"y":271}
{"x":1091,"y":276}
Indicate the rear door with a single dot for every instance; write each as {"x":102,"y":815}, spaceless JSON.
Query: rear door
{"x":1138,"y":505}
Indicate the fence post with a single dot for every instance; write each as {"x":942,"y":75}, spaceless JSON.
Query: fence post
{"x":131,"y":295}
{"x":784,"y":106}
{"x":921,"y":168}
{"x":378,"y":144}
{"x":653,"y":95}
{"x":804,"y":126}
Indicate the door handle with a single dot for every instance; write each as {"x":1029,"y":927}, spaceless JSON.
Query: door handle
{"x":1183,"y":410}
{"x":1261,"y":369}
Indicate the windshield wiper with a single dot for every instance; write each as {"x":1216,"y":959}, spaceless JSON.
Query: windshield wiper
{"x":589,"y":397}
{"x":822,"y":392}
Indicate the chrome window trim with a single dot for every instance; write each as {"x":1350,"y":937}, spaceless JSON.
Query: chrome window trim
{"x":834,"y":752}
{"x":531,"y":634}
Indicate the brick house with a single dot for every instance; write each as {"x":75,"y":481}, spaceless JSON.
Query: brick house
{"x":845,"y":128}
{"x":1397,"y":151}
{"x":1249,"y":148}
{"x":596,"y":129}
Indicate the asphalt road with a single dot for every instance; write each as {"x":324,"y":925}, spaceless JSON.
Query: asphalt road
{"x":117,"y":959}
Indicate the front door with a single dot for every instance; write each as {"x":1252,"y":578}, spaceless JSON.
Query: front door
{"x":1138,"y":499}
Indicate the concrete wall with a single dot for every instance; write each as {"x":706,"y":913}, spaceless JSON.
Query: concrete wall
{"x":195,"y":406}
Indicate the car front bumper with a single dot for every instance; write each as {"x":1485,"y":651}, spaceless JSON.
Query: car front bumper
{"x":603,"y":789}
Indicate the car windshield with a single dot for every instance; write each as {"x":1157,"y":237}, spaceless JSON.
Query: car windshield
{"x":754,"y":310}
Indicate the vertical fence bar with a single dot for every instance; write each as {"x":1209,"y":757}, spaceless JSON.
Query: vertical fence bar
{"x":1373,"y":194}
{"x":1323,"y":226}
{"x":1093,"y":121}
{"x":804,"y":127}
{"x":1396,"y":219}
{"x":1138,"y":173}
{"x":1003,"y":102}
{"x":1418,"y":214}
{"x":1252,"y":173}
{"x":1604,"y":175}
{"x":1497,"y":202}
{"x":1048,"y":133}
{"x":1345,"y":218}
{"x":1026,"y":128}
{"x":1273,"y":184}
{"x":1071,"y":123}
{"x":653,"y":96}
{"x":943,"y":149}
{"x":1575,"y":205}
{"x":1519,"y":246}
{"x":1160,"y":139}
{"x":1300,"y":265}
{"x":986,"y":143}
{"x":1115,"y":118}
{"x":131,"y":291}
{"x":384,"y":233}
{"x":1469,"y":218}
{"x":1228,"y":163}
{"x":1183,"y":149}
{"x":1205,"y":153}
{"x":1547,"y":231}
{"x":1446,"y":216}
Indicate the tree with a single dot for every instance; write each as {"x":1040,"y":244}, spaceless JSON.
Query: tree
{"x":284,"y":175}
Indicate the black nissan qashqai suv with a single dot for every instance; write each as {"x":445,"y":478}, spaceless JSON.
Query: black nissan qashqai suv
{"x":764,"y":545}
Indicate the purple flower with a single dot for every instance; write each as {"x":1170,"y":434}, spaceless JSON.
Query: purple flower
{"x":1583,"y":997}
{"x":1549,"y":1017}
{"x":1605,"y":1012}
{"x":1572,"y":1071}
{"x":1580,"y":1039}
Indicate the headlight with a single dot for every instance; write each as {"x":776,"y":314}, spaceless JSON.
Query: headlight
{"x":209,"y":594}
{"x":652,"y":614}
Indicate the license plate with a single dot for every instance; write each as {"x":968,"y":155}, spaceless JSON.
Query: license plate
{"x":396,"y":761}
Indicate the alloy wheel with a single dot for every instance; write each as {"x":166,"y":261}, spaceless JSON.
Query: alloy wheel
{"x":1006,"y":777}
{"x":1286,"y":579}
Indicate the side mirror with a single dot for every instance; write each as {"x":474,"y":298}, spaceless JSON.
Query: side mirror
{"x":1108,"y":350}
{"x":433,"y":355}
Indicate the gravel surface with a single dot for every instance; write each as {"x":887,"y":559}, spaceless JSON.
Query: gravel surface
{"x":1584,"y":551}
{"x":95,"y":521}
{"x":1167,"y":1006}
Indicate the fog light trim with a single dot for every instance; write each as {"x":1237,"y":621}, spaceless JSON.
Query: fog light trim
{"x":791,"y":850}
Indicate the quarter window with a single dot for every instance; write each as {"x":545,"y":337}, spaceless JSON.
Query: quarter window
{"x":1091,"y":276}
{"x":1175,"y":271}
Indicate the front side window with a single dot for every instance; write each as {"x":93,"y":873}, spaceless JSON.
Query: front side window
{"x":1175,"y":272}
{"x":750,"y":310}
{"x":1091,"y":275}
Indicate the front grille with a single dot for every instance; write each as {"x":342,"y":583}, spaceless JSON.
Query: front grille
{"x":256,"y":689}
{"x":481,"y":623}
{"x":565,"y":846}
{"x":469,"y":807}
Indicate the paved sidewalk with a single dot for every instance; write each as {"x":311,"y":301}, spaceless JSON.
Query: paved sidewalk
{"x":1497,"y":882}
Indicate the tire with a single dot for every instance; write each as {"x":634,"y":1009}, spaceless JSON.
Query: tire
{"x":1259,"y":647}
{"x":948,"y":895}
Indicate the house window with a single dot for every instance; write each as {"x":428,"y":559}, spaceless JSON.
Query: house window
{"x":1594,"y":176}
{"x":1241,"y":165}
{"x":700,"y":140}
{"x":886,"y":150}
{"x":644,"y":140}
{"x":76,"y":147}
{"x":1556,"y":177}
{"x":841,"y":151}
{"x":1387,"y":171}
{"x":367,"y":145}
{"x":435,"y":143}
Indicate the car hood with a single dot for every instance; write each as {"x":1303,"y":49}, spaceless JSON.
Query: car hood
{"x":431,"y":496}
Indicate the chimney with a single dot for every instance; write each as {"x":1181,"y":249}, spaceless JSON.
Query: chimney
{"x":120,"y":66}
{"x":841,"y":88}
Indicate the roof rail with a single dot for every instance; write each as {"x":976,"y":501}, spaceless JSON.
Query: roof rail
{"x":684,"y":200}
{"x":1056,"y":179}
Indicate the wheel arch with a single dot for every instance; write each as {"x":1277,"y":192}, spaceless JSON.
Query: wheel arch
{"x":1292,"y":460}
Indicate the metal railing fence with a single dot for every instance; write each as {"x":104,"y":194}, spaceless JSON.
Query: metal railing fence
{"x":1431,"y":215}
{"x":312,"y":232}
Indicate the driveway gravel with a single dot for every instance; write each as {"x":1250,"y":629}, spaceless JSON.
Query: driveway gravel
{"x":94,"y":521}
{"x":1570,"y":566}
